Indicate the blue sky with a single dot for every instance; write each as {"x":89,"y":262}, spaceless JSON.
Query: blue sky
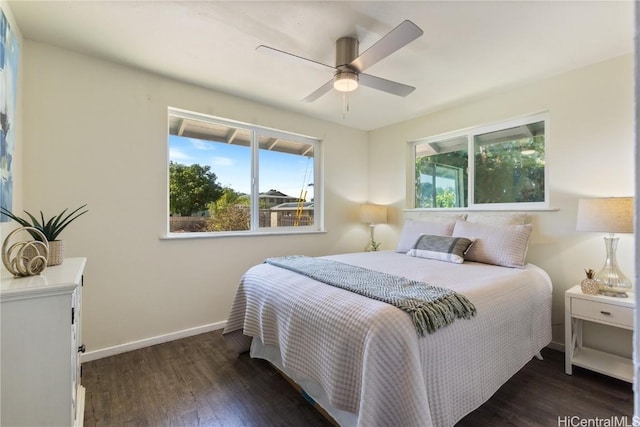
{"x":232,"y":165}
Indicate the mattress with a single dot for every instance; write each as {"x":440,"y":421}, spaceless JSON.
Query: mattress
{"x":362,"y":359}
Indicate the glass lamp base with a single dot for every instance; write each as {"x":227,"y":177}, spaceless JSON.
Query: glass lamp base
{"x":611,"y":280}
{"x":372,"y":247}
{"x":614,"y":286}
{"x":613,"y":294}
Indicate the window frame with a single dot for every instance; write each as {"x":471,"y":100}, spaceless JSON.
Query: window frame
{"x":469,"y":134}
{"x":256,"y":131}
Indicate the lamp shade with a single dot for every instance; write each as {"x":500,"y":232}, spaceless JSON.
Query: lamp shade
{"x":373,"y":214}
{"x":609,"y":215}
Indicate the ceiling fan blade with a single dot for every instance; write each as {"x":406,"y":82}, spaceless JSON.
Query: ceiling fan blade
{"x":385,"y":85}
{"x":319,"y":92}
{"x":395,"y":39}
{"x":282,"y":54}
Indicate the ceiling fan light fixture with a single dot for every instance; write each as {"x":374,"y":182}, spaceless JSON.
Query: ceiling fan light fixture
{"x":350,"y":64}
{"x":345,"y":81}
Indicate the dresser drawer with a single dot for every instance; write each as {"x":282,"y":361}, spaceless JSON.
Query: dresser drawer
{"x":602,"y":312}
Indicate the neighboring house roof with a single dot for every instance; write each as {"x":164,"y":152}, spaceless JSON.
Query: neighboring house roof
{"x":275,"y":194}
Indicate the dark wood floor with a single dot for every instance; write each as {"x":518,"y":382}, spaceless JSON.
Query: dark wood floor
{"x":200,"y":381}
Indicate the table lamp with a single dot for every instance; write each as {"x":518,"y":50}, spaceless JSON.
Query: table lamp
{"x":610,"y":215}
{"x":372,"y":215}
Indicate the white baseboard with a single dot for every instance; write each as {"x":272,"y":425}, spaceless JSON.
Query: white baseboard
{"x":556,"y":346}
{"x":134,"y":345}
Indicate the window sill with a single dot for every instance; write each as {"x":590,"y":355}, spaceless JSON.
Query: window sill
{"x":182,"y":236}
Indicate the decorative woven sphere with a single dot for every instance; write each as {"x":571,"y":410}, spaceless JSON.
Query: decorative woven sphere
{"x":26,"y":258}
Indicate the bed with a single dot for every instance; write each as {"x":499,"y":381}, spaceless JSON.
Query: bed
{"x":362,"y":360}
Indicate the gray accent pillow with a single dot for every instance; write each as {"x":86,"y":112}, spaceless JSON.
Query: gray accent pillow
{"x":442,"y":248}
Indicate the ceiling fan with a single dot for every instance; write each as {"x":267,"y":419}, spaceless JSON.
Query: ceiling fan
{"x":348,"y":71}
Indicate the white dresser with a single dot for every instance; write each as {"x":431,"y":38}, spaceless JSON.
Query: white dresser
{"x":40,"y":364}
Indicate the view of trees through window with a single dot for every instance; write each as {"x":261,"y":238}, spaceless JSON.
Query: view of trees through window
{"x":507,"y":166}
{"x":228,"y":178}
{"x":441,"y":180}
{"x":202,"y":204}
{"x":510,"y":168}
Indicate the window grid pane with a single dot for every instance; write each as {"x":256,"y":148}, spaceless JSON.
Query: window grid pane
{"x":286,"y":185}
{"x":509,"y":165}
{"x":441,"y":179}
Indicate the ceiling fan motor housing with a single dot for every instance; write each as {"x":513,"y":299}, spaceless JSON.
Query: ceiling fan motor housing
{"x":346,"y":51}
{"x":345,"y":78}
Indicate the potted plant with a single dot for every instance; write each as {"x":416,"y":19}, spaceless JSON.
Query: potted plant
{"x":50,"y":228}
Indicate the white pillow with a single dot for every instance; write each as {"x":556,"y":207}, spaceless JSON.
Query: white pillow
{"x":497,"y":218}
{"x":412,"y":230}
{"x":441,"y":248}
{"x":504,"y":245}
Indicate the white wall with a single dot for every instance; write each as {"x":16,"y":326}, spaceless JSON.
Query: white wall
{"x":97,"y":134}
{"x":589,"y":154}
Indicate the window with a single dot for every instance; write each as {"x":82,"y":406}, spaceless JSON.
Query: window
{"x":229,"y":177}
{"x":492,"y":166}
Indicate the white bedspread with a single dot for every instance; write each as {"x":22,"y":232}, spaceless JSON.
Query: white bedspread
{"x":366,"y":354}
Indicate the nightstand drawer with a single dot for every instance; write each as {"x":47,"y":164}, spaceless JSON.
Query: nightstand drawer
{"x":601,"y":312}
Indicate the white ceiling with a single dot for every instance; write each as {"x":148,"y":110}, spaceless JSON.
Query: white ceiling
{"x":469,"y":48}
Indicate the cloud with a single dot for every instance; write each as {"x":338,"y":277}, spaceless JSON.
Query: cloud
{"x":222,"y":161}
{"x":177,"y":155}
{"x":199,"y":144}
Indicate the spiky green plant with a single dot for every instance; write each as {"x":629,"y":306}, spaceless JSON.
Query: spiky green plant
{"x":50,"y":228}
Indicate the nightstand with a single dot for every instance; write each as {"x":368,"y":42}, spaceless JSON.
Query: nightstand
{"x":612,"y":311}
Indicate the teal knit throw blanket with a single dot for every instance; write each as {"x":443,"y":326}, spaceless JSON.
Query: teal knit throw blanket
{"x":430,"y":307}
